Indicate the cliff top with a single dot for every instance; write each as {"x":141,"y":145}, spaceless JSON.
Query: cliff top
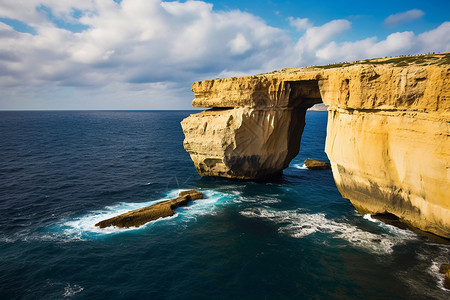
{"x":413,"y":83}
{"x":400,"y":61}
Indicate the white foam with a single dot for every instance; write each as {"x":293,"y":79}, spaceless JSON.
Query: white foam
{"x":442,"y":258}
{"x":369,"y":218}
{"x":71,"y":290}
{"x":83,"y":227}
{"x":261,"y":199}
{"x":299,"y":224}
{"x":299,"y":166}
{"x":392,"y":229}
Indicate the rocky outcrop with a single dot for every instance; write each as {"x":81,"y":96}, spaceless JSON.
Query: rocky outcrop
{"x":254,"y":128}
{"x":445,"y":269}
{"x":387,"y":134}
{"x":138,"y":217}
{"x":244,"y":142}
{"x":313,"y":164}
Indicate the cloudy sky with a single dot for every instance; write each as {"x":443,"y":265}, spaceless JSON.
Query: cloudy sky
{"x":145,"y":54}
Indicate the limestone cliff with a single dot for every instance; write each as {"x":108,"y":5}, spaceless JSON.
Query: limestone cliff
{"x":387,"y":136}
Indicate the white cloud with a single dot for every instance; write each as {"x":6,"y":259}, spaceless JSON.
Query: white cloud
{"x":239,"y":45}
{"x":403,"y":17}
{"x":34,"y":14}
{"x":300,"y":24}
{"x":314,"y":38}
{"x":143,"y":41}
{"x":151,"y":51}
{"x":317,"y":35}
{"x":399,"y":43}
{"x":436,"y":40}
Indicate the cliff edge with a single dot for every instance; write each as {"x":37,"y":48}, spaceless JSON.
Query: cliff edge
{"x":387,"y":134}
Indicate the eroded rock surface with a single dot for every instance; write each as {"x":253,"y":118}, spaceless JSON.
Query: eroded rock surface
{"x":387,"y":134}
{"x":139,"y":217}
{"x":313,"y":164}
{"x":245,"y":142}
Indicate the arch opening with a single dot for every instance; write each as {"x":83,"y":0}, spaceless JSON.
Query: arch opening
{"x":303,"y":95}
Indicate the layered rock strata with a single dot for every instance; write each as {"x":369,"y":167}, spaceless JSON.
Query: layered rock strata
{"x":387,"y":134}
{"x":139,"y":217}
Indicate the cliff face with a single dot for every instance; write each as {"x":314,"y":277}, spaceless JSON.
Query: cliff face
{"x":244,"y":142}
{"x":387,"y":136}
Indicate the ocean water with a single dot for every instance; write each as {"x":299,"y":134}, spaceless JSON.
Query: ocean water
{"x":290,"y":238}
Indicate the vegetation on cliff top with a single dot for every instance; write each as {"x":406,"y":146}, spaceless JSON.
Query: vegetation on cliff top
{"x":401,"y":61}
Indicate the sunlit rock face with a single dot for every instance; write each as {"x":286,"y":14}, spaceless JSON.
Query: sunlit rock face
{"x":387,"y":136}
{"x":254,"y":129}
{"x":244,"y":143}
{"x":388,"y":141}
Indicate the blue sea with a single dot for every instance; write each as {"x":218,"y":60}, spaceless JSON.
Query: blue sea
{"x":294,"y":237}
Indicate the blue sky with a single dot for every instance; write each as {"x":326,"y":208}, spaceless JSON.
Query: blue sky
{"x":145,"y":54}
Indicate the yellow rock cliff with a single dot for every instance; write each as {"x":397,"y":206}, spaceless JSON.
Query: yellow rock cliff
{"x":387,"y":134}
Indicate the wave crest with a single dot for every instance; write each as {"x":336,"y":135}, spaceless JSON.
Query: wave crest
{"x":298,"y":224}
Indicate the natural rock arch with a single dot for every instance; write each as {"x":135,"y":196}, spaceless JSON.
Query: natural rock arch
{"x":251,"y":142}
{"x":388,"y":139}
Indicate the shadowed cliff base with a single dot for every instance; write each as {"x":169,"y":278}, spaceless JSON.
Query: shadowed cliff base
{"x":387,"y":135}
{"x":393,"y":220}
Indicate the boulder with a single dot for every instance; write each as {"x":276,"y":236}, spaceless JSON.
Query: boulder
{"x":138,"y":217}
{"x":313,"y":164}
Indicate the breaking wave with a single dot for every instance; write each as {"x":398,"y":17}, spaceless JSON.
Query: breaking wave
{"x":300,"y":166}
{"x":83,"y":227}
{"x":298,"y":224}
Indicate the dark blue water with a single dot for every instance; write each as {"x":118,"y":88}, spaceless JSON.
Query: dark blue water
{"x":292,"y":238}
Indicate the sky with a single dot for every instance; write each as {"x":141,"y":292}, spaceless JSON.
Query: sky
{"x":145,"y":54}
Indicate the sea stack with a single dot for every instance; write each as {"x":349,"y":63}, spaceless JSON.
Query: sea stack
{"x":388,"y":139}
{"x":313,"y":164}
{"x":139,"y":217}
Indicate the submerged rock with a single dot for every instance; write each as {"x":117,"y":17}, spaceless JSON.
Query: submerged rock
{"x":138,"y":217}
{"x":445,"y":269}
{"x":313,"y":164}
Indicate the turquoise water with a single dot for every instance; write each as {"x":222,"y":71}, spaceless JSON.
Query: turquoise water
{"x":291,"y":238}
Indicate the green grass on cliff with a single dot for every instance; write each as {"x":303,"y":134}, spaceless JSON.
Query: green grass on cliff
{"x":402,"y":61}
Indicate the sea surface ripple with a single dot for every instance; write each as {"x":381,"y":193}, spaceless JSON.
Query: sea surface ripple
{"x":293,"y":237}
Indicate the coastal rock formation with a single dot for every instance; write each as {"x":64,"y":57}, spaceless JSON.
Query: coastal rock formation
{"x":254,"y":128}
{"x":138,"y":217}
{"x":445,"y":269}
{"x":389,"y":146}
{"x":313,"y":164}
{"x":243,"y":143}
{"x":387,"y":134}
